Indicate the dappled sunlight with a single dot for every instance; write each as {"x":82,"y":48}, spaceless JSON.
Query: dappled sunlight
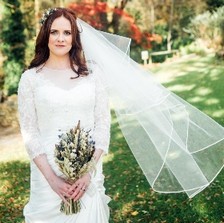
{"x":203,"y":91}
{"x":214,"y":75}
{"x":197,"y":80}
{"x":192,"y":68}
{"x":166,"y":76}
{"x":218,"y":114}
{"x":181,"y":87}
{"x":196,"y":99}
{"x":212,"y":101}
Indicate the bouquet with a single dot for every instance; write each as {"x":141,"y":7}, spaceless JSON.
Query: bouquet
{"x":74,"y":156}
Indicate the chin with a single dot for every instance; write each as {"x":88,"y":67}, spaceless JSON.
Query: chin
{"x":60,"y":54}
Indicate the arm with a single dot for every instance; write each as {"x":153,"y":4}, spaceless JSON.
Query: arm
{"x":102,"y":117}
{"x":57,"y":184}
{"x":31,"y":136}
{"x":101,"y":134}
{"x":27,"y":117}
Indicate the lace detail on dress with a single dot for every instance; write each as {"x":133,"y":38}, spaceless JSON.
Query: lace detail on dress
{"x":102,"y":117}
{"x":28,"y":118}
{"x":47,"y":108}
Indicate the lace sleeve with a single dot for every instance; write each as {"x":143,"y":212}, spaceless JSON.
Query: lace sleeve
{"x":102,"y":116}
{"x":28,"y":117}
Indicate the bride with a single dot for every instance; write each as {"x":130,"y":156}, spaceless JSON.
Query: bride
{"x":56,"y":92}
{"x":178,"y":148}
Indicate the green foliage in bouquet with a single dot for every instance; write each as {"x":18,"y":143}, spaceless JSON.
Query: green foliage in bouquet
{"x":74,"y":156}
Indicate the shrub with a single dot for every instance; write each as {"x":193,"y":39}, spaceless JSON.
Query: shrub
{"x":12,"y":45}
{"x":209,"y":27}
{"x":13,"y":69}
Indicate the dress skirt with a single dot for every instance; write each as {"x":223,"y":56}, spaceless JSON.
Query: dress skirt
{"x":44,"y":203}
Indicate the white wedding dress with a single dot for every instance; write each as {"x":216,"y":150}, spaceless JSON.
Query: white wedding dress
{"x":50,"y":103}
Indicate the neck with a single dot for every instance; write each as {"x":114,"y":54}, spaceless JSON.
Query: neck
{"x":56,"y":62}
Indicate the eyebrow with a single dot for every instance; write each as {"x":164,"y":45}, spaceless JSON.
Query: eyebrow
{"x":64,"y":30}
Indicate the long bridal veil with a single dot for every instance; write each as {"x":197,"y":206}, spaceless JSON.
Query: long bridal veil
{"x":177,"y":147}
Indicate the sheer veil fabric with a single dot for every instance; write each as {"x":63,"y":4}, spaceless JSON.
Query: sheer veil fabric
{"x":178,"y":148}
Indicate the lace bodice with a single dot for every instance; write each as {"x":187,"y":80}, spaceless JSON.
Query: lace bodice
{"x":50,"y":103}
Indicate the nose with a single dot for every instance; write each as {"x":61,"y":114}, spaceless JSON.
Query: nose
{"x":61,"y":37}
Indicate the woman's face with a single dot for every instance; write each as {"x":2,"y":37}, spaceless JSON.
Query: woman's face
{"x":60,"y":38}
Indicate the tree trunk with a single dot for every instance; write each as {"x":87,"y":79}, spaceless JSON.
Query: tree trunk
{"x":116,"y":17}
{"x":169,"y":36}
{"x":152,"y":16}
{"x":102,"y":16}
{"x":37,"y":11}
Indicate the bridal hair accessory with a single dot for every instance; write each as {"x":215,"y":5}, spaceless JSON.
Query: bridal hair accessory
{"x":179,"y":148}
{"x":46,"y":14}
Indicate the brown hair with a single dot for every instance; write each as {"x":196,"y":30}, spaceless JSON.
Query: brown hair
{"x":75,"y":54}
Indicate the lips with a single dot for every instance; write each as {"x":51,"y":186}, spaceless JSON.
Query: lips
{"x":60,"y":45}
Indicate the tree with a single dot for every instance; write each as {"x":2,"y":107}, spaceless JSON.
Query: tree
{"x":96,"y":13}
{"x":209,"y":28}
{"x":168,"y":18}
{"x":117,"y":13}
{"x":12,"y":45}
{"x":212,"y":5}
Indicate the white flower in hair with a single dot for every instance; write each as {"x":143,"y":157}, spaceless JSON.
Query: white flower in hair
{"x":46,"y":14}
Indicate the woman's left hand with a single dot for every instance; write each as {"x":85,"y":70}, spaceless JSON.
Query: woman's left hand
{"x":79,"y":187}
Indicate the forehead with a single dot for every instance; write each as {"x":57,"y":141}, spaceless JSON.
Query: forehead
{"x":61,"y":23}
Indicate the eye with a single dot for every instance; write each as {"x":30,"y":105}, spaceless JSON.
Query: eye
{"x":54,"y":32}
{"x":67,"y":33}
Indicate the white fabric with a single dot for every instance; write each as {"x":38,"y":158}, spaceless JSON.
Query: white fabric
{"x":73,"y":100}
{"x":179,"y":148}
{"x":49,"y":104}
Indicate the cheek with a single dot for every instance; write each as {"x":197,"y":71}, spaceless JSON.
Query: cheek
{"x":51,"y":40}
{"x":69,"y":40}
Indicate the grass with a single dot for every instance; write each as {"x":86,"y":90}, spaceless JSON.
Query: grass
{"x":133,"y":201}
{"x":199,"y":81}
{"x":14,"y":190}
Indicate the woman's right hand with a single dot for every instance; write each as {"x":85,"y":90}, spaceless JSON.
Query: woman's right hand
{"x":57,"y":183}
{"x":60,"y":186}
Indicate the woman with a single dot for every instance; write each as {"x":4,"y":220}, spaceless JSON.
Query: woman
{"x":179,"y":148}
{"x":56,"y":92}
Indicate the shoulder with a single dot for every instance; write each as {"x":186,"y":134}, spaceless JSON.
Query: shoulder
{"x":27,"y":76}
{"x":95,"y":70}
{"x":99,"y":76}
{"x":30,"y":73}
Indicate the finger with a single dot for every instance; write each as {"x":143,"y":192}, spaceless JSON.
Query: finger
{"x":82,"y":191}
{"x":72,"y":188}
{"x":65,"y":194}
{"x":64,"y":190}
{"x":63,"y":198}
{"x":79,"y":195}
{"x":77,"y":191}
{"x":76,"y":186}
{"x":68,"y":186}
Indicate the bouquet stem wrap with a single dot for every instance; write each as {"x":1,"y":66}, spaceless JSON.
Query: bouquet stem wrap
{"x":74,"y":156}
{"x":72,"y":207}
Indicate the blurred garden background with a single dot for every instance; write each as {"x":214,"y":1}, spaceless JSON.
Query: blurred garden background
{"x":185,"y":44}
